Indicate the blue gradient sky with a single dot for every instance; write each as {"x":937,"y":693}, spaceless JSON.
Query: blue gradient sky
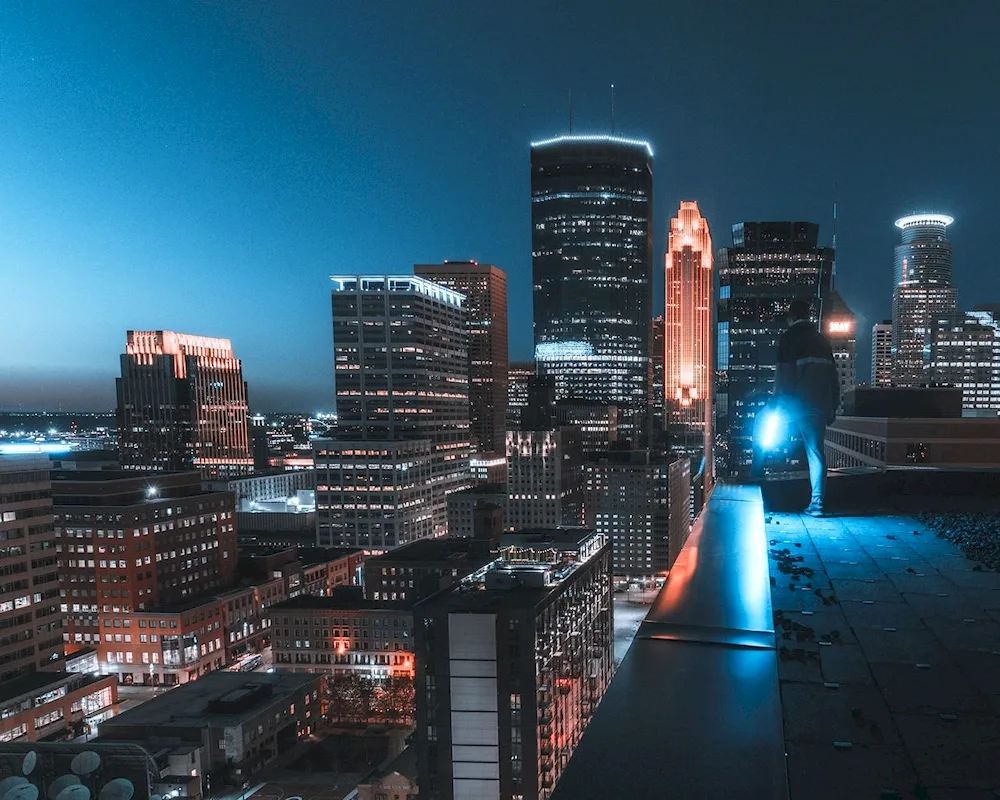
{"x":205,"y":166}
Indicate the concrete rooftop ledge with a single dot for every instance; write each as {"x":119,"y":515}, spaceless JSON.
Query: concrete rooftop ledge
{"x":694,"y":709}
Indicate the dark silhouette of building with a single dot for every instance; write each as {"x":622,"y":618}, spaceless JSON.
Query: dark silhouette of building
{"x":769,"y":265}
{"x":839,"y":324}
{"x":511,"y":664}
{"x":592,"y":267}
{"x":485,"y":290}
{"x":182,"y":404}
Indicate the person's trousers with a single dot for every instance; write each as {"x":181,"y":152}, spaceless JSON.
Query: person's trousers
{"x":812,"y":429}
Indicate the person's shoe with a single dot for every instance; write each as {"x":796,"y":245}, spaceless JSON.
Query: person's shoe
{"x":814,"y":510}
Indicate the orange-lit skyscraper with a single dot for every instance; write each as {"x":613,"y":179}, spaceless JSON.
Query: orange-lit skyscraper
{"x":688,"y":332}
{"x":182,"y":404}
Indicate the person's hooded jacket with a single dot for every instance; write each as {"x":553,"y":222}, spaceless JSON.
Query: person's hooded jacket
{"x":807,"y":380}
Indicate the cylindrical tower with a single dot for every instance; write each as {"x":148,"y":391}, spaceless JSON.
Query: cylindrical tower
{"x":922,"y":292}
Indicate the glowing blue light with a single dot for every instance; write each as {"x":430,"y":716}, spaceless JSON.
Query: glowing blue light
{"x":553,"y":351}
{"x":19,"y":448}
{"x":924,"y":219}
{"x":604,"y":138}
{"x":771,"y":429}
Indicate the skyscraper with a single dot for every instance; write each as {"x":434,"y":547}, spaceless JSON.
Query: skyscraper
{"x":182,"y":404}
{"x":922,"y":292}
{"x":401,"y":443}
{"x":485,"y":290}
{"x":592,"y":257}
{"x":838,"y":323}
{"x":512,"y":662}
{"x":518,"y":375}
{"x":688,"y":332}
{"x":657,"y":353}
{"x":964,"y":351}
{"x":882,"y":353}
{"x":769,"y":265}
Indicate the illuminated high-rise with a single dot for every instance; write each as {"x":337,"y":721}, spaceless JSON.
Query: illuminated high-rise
{"x":922,"y":292}
{"x":882,"y":354}
{"x":688,"y":331}
{"x":769,"y":265}
{"x":182,"y":404}
{"x":657,"y":404}
{"x":401,"y":443}
{"x":519,"y":373}
{"x":485,"y":290}
{"x":592,"y":268}
{"x":838,"y":322}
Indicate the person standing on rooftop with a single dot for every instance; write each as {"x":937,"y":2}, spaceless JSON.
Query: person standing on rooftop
{"x":808,"y":392}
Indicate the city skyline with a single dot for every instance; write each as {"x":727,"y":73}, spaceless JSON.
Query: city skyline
{"x":248,"y":169}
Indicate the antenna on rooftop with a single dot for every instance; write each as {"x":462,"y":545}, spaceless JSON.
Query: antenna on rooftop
{"x":612,"y":109}
{"x":833,"y":241}
{"x":570,"y":110}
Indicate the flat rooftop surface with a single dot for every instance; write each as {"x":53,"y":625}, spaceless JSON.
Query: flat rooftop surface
{"x":888,"y":660}
{"x":185,"y":706}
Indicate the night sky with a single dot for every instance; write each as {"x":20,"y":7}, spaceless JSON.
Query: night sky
{"x":204,"y":167}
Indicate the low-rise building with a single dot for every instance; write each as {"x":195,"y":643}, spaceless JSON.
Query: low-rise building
{"x":44,"y":705}
{"x":419,"y":569}
{"x":343,"y":634}
{"x":253,"y":491}
{"x":239,"y":721}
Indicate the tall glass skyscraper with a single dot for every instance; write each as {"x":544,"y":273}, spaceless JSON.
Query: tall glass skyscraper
{"x":922,"y":292}
{"x":769,"y":265}
{"x":592,"y":267}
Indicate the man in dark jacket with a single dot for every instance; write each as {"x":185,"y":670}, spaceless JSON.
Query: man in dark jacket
{"x":807,"y":390}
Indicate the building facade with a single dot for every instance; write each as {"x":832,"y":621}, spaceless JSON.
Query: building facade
{"x":881,"y":376}
{"x":544,"y":478}
{"x":38,"y":698}
{"x":769,"y":265}
{"x":518,"y":375}
{"x":657,"y":387}
{"x":485,"y":290}
{"x":839,"y":324}
{"x":511,"y":664}
{"x":688,"y":372}
{"x":415,"y":571}
{"x":964,"y":350}
{"x":922,"y":292}
{"x":592,"y":268}
{"x":640,"y":502}
{"x":182,"y":404}
{"x":401,"y":443}
{"x":343,"y":635}
{"x":463,"y":506}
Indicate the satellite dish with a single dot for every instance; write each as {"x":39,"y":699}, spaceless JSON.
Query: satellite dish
{"x":118,"y":789}
{"x":75,"y":792}
{"x":29,"y":762}
{"x":84,"y":763}
{"x":9,"y":784}
{"x":61,"y":783}
{"x":25,"y":791}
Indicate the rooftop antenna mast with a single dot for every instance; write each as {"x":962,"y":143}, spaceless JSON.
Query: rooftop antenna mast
{"x":612,"y":109}
{"x":571,"y":111}
{"x":833,"y":242}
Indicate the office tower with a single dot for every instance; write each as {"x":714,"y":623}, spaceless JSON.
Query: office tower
{"x":882,"y":353}
{"x":511,"y":665}
{"x":43,"y":696}
{"x":769,"y":265}
{"x":640,"y":501}
{"x":485,"y":290}
{"x":182,"y":404}
{"x":657,"y":353}
{"x":518,"y":375}
{"x":596,"y":422}
{"x":133,"y":543}
{"x":688,"y":333}
{"x":838,"y":322}
{"x":31,"y":622}
{"x":964,"y":353}
{"x":401,"y":442}
{"x":544,"y":480}
{"x":922,"y":291}
{"x":592,"y":267}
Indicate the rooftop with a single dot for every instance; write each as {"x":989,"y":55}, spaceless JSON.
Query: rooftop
{"x":855,"y":655}
{"x":187,"y":705}
{"x":341,"y":601}
{"x":441,"y":549}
